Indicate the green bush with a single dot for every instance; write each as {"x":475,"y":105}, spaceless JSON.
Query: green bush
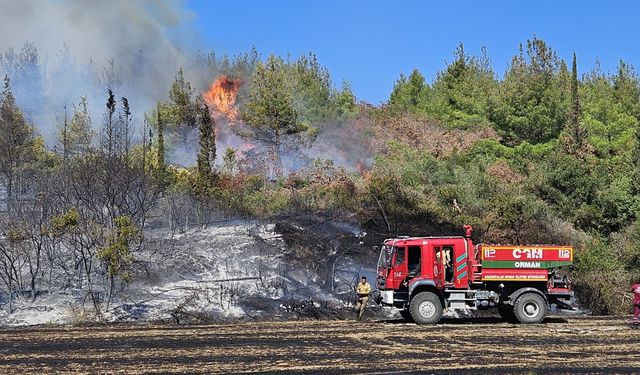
{"x":601,"y":279}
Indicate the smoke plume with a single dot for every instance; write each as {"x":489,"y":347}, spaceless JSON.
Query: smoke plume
{"x":99,"y":30}
{"x":84,"y":47}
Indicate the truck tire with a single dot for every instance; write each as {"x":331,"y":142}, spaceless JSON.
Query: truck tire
{"x":506,"y":313}
{"x":426,"y":308}
{"x":530,"y":308}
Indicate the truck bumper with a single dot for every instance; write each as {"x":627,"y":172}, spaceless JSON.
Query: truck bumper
{"x":387,"y":297}
{"x":393,"y":299}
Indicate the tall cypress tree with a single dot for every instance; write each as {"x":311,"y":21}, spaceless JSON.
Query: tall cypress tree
{"x":574,"y":139}
{"x":207,"y":153}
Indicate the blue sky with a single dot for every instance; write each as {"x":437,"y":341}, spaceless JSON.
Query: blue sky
{"x":369,"y":43}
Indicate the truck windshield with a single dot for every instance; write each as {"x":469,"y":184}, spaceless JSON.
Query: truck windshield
{"x":386,"y":253}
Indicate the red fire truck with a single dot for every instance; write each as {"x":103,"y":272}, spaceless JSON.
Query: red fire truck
{"x":423,"y":276}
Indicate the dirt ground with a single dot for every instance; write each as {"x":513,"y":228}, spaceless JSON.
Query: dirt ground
{"x":483,"y":345}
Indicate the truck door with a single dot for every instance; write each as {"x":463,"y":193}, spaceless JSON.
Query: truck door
{"x":438,"y":266}
{"x":399,"y":266}
{"x":447,"y":263}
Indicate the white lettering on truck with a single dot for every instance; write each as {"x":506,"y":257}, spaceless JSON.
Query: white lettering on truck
{"x":527,"y":253}
{"x":527,"y":264}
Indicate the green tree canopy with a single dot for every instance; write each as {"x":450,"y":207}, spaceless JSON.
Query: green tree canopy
{"x":533,"y":99}
{"x":611,"y":126}
{"x":346,"y":101}
{"x":180,"y":112}
{"x":410,"y":94}
{"x":270,"y":112}
{"x":312,"y":90}
{"x":16,"y":141}
{"x":460,"y":93}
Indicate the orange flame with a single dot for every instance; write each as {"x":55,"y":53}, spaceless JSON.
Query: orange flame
{"x":221,"y":98}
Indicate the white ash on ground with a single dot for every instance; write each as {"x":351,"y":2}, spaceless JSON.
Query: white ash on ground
{"x":234,"y":271}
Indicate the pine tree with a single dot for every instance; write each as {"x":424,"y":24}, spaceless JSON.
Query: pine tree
{"x":532,"y":102}
{"x":270,"y":111}
{"x":16,"y":142}
{"x":75,"y":136}
{"x":409,"y":93}
{"x":460,"y":94}
{"x":230,"y":160}
{"x":207,"y":152}
{"x":63,"y":135}
{"x":124,"y":131}
{"x":108,"y":139}
{"x":346,"y":101}
{"x":180,"y":92}
{"x":575,"y":138}
{"x":627,"y":89}
{"x":313,"y":92}
{"x":180,"y":113}
{"x":146,"y":145}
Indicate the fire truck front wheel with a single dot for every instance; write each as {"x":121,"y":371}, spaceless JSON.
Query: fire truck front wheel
{"x":426,"y":308}
{"x":530,"y":308}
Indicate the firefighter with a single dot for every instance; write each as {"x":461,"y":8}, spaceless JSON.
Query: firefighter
{"x":636,"y":303}
{"x":363,"y":289}
{"x":444,"y":256}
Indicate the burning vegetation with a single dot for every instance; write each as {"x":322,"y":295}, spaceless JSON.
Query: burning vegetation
{"x":222,"y":96}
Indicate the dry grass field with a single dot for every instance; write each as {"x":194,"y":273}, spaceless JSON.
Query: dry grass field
{"x":487,"y":345}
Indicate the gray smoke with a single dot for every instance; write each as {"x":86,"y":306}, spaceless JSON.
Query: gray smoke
{"x":98,"y":30}
{"x":84,"y":47}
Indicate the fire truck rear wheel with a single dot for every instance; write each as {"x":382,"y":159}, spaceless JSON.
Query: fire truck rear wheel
{"x":530,"y":308}
{"x":426,"y":308}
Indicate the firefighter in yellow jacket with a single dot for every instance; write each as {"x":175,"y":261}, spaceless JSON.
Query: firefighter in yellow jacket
{"x":363,"y":290}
